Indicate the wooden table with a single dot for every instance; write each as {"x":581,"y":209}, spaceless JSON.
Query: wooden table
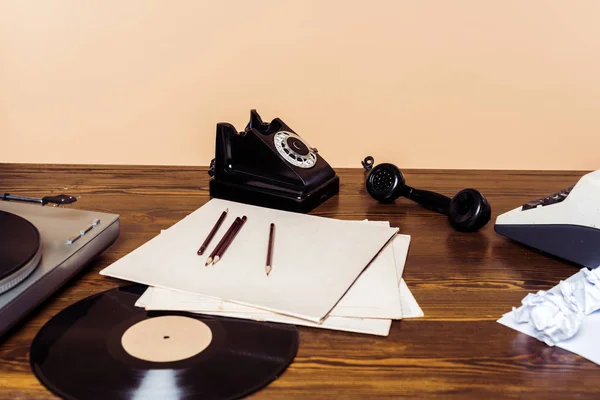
{"x":463,"y":282}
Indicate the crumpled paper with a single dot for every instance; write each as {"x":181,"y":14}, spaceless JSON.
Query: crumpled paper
{"x":554,"y":316}
{"x":584,"y":341}
{"x":591,"y":287}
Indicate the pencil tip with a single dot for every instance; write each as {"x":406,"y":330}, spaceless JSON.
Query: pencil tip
{"x":268,"y":269}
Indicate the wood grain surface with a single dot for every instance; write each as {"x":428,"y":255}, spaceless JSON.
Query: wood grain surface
{"x":463,"y":281}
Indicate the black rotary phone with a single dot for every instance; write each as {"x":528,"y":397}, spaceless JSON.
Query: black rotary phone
{"x":467,"y":211}
{"x":270,"y":165}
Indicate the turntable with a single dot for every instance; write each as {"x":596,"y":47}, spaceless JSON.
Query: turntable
{"x":42,"y":247}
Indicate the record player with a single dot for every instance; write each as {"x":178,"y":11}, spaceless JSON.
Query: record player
{"x":42,"y":247}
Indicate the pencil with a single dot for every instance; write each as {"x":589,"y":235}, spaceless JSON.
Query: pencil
{"x":232,"y":228}
{"x":211,"y":234}
{"x":222,"y":249}
{"x":270,"y":249}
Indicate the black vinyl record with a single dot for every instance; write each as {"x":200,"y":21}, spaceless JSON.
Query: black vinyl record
{"x":104,"y":347}
{"x":19,"y":243}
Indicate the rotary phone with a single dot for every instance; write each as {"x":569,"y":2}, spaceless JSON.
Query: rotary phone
{"x":268,"y":164}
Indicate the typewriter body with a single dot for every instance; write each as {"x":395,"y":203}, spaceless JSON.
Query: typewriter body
{"x":565,"y":224}
{"x":269,"y":165}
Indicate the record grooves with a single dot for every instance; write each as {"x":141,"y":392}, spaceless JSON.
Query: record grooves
{"x":105,"y":347}
{"x":20,"y":249}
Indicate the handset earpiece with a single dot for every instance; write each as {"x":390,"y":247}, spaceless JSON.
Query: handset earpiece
{"x":467,"y":211}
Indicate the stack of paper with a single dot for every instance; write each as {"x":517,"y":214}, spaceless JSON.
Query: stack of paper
{"x":327,"y":273}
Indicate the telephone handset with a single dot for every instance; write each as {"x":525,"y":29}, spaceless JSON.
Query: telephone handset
{"x":467,"y":211}
{"x":270,"y":165}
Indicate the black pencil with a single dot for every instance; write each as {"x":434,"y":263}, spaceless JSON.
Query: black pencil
{"x":222,"y":249}
{"x":211,"y":234}
{"x":224,"y":239}
{"x":270,"y":249}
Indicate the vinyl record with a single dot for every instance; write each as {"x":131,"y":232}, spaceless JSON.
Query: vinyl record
{"x":20,"y":249}
{"x":104,"y":347}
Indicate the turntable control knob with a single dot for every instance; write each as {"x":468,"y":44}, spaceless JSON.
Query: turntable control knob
{"x":82,"y":232}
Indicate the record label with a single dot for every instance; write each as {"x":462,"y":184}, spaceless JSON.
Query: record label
{"x":104,"y":347}
{"x":167,"y":338}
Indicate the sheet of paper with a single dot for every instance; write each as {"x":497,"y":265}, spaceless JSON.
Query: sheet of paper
{"x":176,"y":300}
{"x":315,"y":259}
{"x":165,"y":299}
{"x":401,"y":246}
{"x":370,"y":326}
{"x":410,"y":307}
{"x":583,"y":343}
{"x":378,"y":327}
{"x":169,"y":300}
{"x":373,"y":295}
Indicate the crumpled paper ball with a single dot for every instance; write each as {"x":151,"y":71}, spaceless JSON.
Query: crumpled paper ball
{"x":554,"y":316}
{"x":591,"y":290}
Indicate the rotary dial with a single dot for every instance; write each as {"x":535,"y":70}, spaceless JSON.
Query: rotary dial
{"x":291,"y":147}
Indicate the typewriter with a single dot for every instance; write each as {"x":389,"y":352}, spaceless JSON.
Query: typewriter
{"x":564,"y":224}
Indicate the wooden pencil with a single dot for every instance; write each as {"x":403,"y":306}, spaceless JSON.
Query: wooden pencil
{"x":212,"y":232}
{"x":222,"y":249}
{"x":223,"y":240}
{"x":270,"y":249}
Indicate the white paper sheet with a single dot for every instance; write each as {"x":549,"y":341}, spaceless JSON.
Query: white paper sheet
{"x":315,"y":260}
{"x":401,"y":246}
{"x":154,"y":299}
{"x":373,"y":295}
{"x":169,"y":300}
{"x":165,"y":301}
{"x":410,"y":307}
{"x":585,"y":341}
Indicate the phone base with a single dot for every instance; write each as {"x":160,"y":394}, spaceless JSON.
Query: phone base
{"x":265,"y":198}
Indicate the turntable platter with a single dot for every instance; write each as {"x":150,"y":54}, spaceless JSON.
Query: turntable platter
{"x":20,"y":249}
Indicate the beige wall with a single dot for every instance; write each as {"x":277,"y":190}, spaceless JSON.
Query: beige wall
{"x":427,"y":84}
